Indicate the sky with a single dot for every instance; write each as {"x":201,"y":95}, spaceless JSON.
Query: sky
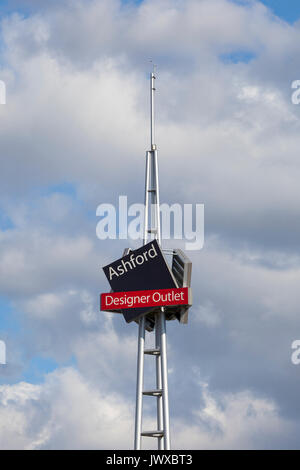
{"x":73,"y":134}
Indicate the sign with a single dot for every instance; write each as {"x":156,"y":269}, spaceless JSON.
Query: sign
{"x":141,"y":269}
{"x":145,"y":298}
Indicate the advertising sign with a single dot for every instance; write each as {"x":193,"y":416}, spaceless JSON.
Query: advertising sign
{"x":145,"y":298}
{"x":142,"y":269}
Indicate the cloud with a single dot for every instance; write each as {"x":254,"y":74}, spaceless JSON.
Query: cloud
{"x":63,"y":413}
{"x":239,"y":421}
{"x":238,"y":129}
{"x":24,"y":272}
{"x":68,"y":412}
{"x":207,"y":314}
{"x":228,"y":137}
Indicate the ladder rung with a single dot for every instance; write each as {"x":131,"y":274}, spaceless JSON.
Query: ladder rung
{"x":152,"y":230}
{"x":151,"y":190}
{"x":153,"y":393}
{"x":153,"y":352}
{"x":152,"y":433}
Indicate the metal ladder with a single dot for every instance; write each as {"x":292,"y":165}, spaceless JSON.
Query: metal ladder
{"x":152,"y":215}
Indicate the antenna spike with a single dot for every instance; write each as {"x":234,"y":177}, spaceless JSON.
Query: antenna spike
{"x":152,"y":120}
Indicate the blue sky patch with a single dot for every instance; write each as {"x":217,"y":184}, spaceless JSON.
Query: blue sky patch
{"x":237,"y":57}
{"x":8,"y":321}
{"x":288,"y":10}
{"x":69,"y":189}
{"x":5,"y":222}
{"x":39,"y":366}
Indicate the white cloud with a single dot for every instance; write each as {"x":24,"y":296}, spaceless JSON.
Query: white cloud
{"x":40,"y":262}
{"x":237,"y":421}
{"x":63,"y":413}
{"x":77,"y":111}
{"x":207,"y":313}
{"x":67,"y":412}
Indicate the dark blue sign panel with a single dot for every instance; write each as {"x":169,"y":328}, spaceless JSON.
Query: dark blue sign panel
{"x":141,"y":269}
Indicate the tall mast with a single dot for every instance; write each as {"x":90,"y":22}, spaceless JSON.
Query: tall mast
{"x":152,"y":125}
{"x":152,"y":219}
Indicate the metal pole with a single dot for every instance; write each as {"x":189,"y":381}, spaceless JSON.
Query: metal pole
{"x":164,"y":373}
{"x":139,"y":385}
{"x":160,"y":325}
{"x":141,"y":333}
{"x":147,"y":187}
{"x":151,"y":179}
{"x":157,"y":196}
{"x":152,"y":130}
{"x":160,"y":442}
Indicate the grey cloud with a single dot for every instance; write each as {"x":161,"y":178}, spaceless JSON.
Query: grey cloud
{"x":67,"y":412}
{"x":228,"y":136}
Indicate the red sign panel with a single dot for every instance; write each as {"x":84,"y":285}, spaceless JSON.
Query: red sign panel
{"x":145,"y":298}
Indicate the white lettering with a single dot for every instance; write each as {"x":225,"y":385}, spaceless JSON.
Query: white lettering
{"x":153,"y":250}
{"x":122,"y":217}
{"x":109,"y":300}
{"x":140,"y":257}
{"x":198,"y":235}
{"x":296,"y":354}
{"x":166,"y":211}
{"x":106,"y":227}
{"x":2,"y":352}
{"x":2,"y":92}
{"x":112,"y":273}
{"x":296,"y":95}
{"x":135,"y":227}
